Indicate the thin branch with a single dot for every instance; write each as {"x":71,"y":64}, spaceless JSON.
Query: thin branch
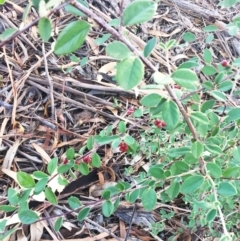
{"x":120,"y":37}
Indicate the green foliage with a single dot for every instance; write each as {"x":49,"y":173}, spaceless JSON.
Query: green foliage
{"x":45,"y":28}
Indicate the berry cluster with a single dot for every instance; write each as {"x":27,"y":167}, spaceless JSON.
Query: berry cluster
{"x":159,"y":124}
{"x":123,"y":147}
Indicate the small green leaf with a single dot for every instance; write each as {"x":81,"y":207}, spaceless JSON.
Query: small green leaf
{"x":225,"y":86}
{"x":207,"y":56}
{"x":149,"y":47}
{"x":107,"y":208}
{"x":40,"y":185}
{"x":129,"y":140}
{"x":27,"y":216}
{"x":209,"y":70}
{"x":207,"y":105}
{"x":173,"y":190}
{"x":118,"y":50}
{"x":83,"y":168}
{"x":210,"y":28}
{"x":218,"y":95}
{"x":58,"y":224}
{"x":7,"y":33}
{"x":71,"y":37}
{"x":179,"y":167}
{"x":7,"y":208}
{"x":233,"y":115}
{"x":25,"y":180}
{"x":188,"y":65}
{"x":130,"y":72}
{"x":2,"y":2}
{"x":52,"y":165}
{"x":214,"y":170}
{"x":70,"y":153}
{"x":139,"y":12}
{"x":83,"y":214}
{"x":200,"y":117}
{"x":188,"y":37}
{"x":122,"y":127}
{"x":45,"y":29}
{"x":185,"y":78}
{"x":214,"y":149}
{"x":39,"y":175}
{"x":151,"y":100}
{"x":50,"y":196}
{"x":107,"y":139}
{"x":90,"y":142}
{"x":236,"y":152}
{"x":226,"y":189}
{"x":63,"y":169}
{"x":103,"y":39}
{"x":96,"y":160}
{"x":149,"y":199}
{"x":229,"y":3}
{"x":74,"y":202}
{"x":156,"y":171}
{"x":232,"y":172}
{"x":211,"y":214}
{"x":192,"y":184}
{"x":133,"y":195}
{"x":170,"y":114}
{"x":197,"y":149}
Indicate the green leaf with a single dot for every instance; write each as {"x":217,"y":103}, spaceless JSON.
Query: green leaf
{"x":200,"y":117}
{"x":2,"y":2}
{"x":63,"y":169}
{"x":40,"y":185}
{"x":133,"y":195}
{"x":12,"y":196}
{"x":45,"y":29}
{"x":207,"y":56}
{"x":170,"y":114}
{"x":211,"y":214}
{"x":209,"y":38}
{"x":162,"y":79}
{"x":69,"y":8}
{"x":96,"y":160}
{"x":39,"y":175}
{"x":209,"y":70}
{"x":236,"y":153}
{"x":83,"y":214}
{"x":232,"y":172}
{"x":229,"y":3}
{"x":207,"y":105}
{"x":225,"y":86}
{"x":50,"y":196}
{"x":226,"y":189}
{"x":122,"y":127}
{"x":58,"y":224}
{"x":185,"y":78}
{"x":27,"y":216}
{"x":7,"y":208}
{"x":83,"y":168}
{"x":149,"y":199}
{"x":103,"y":39}
{"x":218,"y":95}
{"x":151,"y":100}
{"x":210,"y":28}
{"x":197,"y":149}
{"x":107,"y":208}
{"x":52,"y":165}
{"x":74,"y":202}
{"x":156,"y":171}
{"x":25,"y":180}
{"x":129,"y":140}
{"x":214,"y":149}
{"x":179,"y":167}
{"x":214,"y":170}
{"x":90,"y":142}
{"x":188,"y":65}
{"x":70,"y":153}
{"x":71,"y":37}
{"x":192,"y":184}
{"x":118,"y":50}
{"x":149,"y":47}
{"x":188,"y":37}
{"x":233,"y":115}
{"x":173,"y":190}
{"x":7,"y":33}
{"x":130,"y":72}
{"x":139,"y":12}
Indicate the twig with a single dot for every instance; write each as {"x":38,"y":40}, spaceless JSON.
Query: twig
{"x":49,"y":82}
{"x":34,"y":22}
{"x":130,"y":224}
{"x":119,"y":36}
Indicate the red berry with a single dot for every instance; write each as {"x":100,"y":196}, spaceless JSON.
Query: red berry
{"x":123,"y":147}
{"x":177,"y":86}
{"x":163,"y":123}
{"x":87,"y":159}
{"x":224,"y":63}
{"x":65,"y":161}
{"x":77,"y":162}
{"x":130,"y":110}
